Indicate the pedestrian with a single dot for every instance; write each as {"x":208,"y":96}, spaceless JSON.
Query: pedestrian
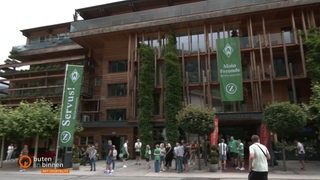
{"x":137,"y":147}
{"x":193,"y":149}
{"x":169,"y":156}
{"x":93,"y":158}
{"x":157,"y":153}
{"x":179,"y":154}
{"x":147,"y":155}
{"x":301,"y":154}
{"x":114,"y":157}
{"x":109,"y":157}
{"x":24,"y":152}
{"x":258,"y":160}
{"x":162,"y":156}
{"x":125,"y":153}
{"x":240,"y":149}
{"x":223,"y":148}
{"x":9,"y":152}
{"x":232,"y":146}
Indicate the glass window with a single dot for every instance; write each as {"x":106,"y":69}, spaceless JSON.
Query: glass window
{"x":118,"y":66}
{"x":214,"y":69}
{"x":116,"y":114}
{"x":115,"y":90}
{"x":279,"y":67}
{"x":86,"y":140}
{"x":182,"y":43}
{"x":156,"y":104}
{"x":191,"y":67}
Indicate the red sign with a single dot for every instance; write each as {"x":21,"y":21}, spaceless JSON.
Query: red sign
{"x":214,"y":135}
{"x":264,"y":135}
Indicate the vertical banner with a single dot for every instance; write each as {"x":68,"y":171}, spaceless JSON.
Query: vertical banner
{"x":215,"y":134}
{"x":70,"y":103}
{"x":229,"y":69}
{"x":264,"y":135}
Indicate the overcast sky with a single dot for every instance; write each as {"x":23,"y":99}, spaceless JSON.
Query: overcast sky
{"x":18,"y":15}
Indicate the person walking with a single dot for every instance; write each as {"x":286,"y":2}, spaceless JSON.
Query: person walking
{"x":258,"y":164}
{"x":93,"y":158}
{"x":114,"y":157}
{"x":179,"y":157}
{"x":169,"y":156}
{"x":125,"y":153}
{"x":137,"y":147}
{"x":223,"y":148}
{"x":232,"y":145}
{"x":301,"y":154}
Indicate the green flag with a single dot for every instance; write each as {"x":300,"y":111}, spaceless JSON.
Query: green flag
{"x":229,"y":69}
{"x":70,"y":102}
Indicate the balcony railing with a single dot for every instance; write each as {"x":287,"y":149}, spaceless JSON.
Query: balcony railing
{"x":42,"y":45}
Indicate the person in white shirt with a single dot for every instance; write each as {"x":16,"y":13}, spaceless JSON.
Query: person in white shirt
{"x":223,"y":148}
{"x":10,"y":151}
{"x":301,"y":154}
{"x":258,"y":160}
{"x":137,"y":147}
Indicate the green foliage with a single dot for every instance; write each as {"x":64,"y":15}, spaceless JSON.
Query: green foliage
{"x":173,"y":89}
{"x":196,"y":120}
{"x":5,"y":126}
{"x":214,"y":155}
{"x":145,"y":93}
{"x":75,"y":154}
{"x":312,"y":43}
{"x":284,"y":118}
{"x":40,"y":117}
{"x":314,"y":106}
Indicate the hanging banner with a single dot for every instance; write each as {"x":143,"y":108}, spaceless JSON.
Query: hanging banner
{"x":215,"y":134}
{"x":70,"y":103}
{"x":229,"y":69}
{"x":264,"y":135}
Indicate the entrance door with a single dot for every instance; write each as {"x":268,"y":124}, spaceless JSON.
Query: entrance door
{"x":116,"y":140}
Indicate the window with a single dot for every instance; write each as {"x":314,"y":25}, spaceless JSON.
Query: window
{"x":116,"y":114}
{"x":118,"y":66}
{"x":86,"y":140}
{"x":279,"y":67}
{"x":115,"y":90}
{"x":156,"y":104}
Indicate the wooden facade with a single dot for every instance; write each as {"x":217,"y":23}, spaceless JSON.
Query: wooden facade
{"x":107,"y":41}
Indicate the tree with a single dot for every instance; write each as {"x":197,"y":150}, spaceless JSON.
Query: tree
{"x":285,"y":119}
{"x":196,"y":120}
{"x":173,"y":89}
{"x":40,"y":119}
{"x":314,"y":106}
{"x":4,"y":128}
{"x":312,"y":43}
{"x":145,"y":94}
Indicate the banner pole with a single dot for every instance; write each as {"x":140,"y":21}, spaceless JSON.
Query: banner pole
{"x":58,"y":138}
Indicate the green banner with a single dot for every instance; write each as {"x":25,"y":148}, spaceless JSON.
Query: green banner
{"x":229,"y":69}
{"x":70,"y":103}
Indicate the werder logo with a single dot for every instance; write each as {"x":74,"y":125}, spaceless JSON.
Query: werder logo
{"x":231,"y":88}
{"x":65,"y":136}
{"x":74,"y":75}
{"x":228,"y":50}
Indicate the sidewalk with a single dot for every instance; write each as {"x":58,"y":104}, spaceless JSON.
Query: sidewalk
{"x":276,"y":172}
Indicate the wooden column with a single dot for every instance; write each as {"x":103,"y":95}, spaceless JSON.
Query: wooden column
{"x":285,"y":53}
{"x":261,"y":58}
{"x":294,"y":28}
{"x":303,"y":61}
{"x":293,"y":86}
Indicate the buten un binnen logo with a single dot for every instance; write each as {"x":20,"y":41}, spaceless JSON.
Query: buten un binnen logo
{"x":65,"y":136}
{"x":231,"y":88}
{"x":25,"y":161}
{"x":74,"y":75}
{"x":228,"y":50}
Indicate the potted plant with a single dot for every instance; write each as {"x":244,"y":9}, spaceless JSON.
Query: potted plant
{"x":214,"y":159}
{"x":75,"y":158}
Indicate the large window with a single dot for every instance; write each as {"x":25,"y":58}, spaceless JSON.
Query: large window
{"x":118,"y":66}
{"x":86,"y":140}
{"x":116,"y":114}
{"x":115,"y":90}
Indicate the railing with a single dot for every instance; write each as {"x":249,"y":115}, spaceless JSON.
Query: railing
{"x":42,"y":45}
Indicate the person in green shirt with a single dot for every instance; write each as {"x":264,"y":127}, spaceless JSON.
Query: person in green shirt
{"x":240,"y":148}
{"x":156,"y":153}
{"x":232,"y":146}
{"x":147,"y":155}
